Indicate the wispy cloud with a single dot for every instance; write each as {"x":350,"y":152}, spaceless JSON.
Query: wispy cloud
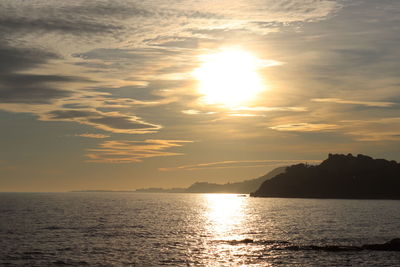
{"x":91,"y":135}
{"x":245,"y":115}
{"x":354,"y":102}
{"x":266,"y":109}
{"x":242,"y":111}
{"x":133,"y":151}
{"x":378,"y":130}
{"x":372,"y":130}
{"x":305,"y":127}
{"x":231,"y":164}
{"x":197,"y":112}
{"x":107,"y":121}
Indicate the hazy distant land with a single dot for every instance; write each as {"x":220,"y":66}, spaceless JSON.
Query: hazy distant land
{"x":339,"y":176}
{"x":102,"y":191}
{"x":244,"y":187}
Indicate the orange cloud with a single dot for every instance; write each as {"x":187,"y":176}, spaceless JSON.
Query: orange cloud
{"x":354,"y":102}
{"x":132,"y":151}
{"x":89,"y":135}
{"x":304,"y":127}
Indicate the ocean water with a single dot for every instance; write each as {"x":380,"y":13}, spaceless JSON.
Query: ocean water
{"x":116,"y":229}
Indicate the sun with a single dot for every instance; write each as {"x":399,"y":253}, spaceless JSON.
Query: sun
{"x":229,"y":77}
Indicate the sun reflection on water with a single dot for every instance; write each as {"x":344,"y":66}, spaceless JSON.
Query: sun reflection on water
{"x":226,"y":222}
{"x":225,"y":214}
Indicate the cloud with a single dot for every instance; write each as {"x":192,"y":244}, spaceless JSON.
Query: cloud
{"x":136,"y":21}
{"x":122,"y":123}
{"x":33,"y":88}
{"x":105,"y":17}
{"x":354,"y":102}
{"x":231,"y":164}
{"x":15,"y":59}
{"x":117,"y":54}
{"x":375,"y":136}
{"x":108,"y":121}
{"x":146,"y":65}
{"x":287,"y":10}
{"x":133,"y":151}
{"x":372,"y":130}
{"x":137,"y":76}
{"x":23,"y":90}
{"x":305,"y":127}
{"x":17,"y":86}
{"x":31,"y":94}
{"x":95,"y":136}
{"x":245,"y":115}
{"x":78,"y":43}
{"x":241,"y":111}
{"x":376,"y":130}
{"x":72,"y":114}
{"x":266,"y":109}
{"x":63,"y":25}
{"x":197,"y":112}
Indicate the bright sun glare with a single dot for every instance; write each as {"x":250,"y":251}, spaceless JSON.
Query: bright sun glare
{"x":229,"y":77}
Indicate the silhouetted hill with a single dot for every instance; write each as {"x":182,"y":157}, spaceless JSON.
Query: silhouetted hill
{"x":244,"y":187}
{"x":339,"y":176}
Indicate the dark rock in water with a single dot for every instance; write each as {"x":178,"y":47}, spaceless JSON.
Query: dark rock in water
{"x":392,"y":245}
{"x":70,"y":263}
{"x":395,"y":241}
{"x":60,"y":262}
{"x":247,"y":240}
{"x":339,"y":176}
{"x":242,"y":241}
{"x":325,"y":248}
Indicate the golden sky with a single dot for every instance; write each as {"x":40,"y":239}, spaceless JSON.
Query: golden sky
{"x":129,"y":94}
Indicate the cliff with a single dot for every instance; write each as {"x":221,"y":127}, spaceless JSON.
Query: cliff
{"x":339,"y":176}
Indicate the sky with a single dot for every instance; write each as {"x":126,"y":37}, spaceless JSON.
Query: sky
{"x":119,"y":95}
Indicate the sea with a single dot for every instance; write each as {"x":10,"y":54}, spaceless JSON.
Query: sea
{"x":145,"y":229}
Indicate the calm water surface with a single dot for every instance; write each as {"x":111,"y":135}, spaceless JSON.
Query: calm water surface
{"x":103,"y":229}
